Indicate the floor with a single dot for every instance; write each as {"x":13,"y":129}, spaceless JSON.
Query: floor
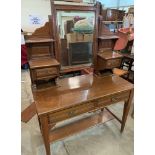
{"x":104,"y":139}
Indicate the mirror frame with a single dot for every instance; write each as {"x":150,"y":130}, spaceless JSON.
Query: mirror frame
{"x":61,"y":7}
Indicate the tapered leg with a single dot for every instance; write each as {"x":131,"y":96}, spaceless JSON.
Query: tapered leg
{"x":45,"y":133}
{"x":126,"y":110}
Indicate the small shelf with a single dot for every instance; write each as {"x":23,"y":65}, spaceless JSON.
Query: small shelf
{"x":109,"y":54}
{"x":39,"y":40}
{"x":109,"y":22}
{"x":104,"y":37}
{"x":44,"y":62}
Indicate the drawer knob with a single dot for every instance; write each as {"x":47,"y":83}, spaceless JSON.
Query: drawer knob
{"x":71,"y":113}
{"x":114,"y":99}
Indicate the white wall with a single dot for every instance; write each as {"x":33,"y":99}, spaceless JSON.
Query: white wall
{"x":39,"y":8}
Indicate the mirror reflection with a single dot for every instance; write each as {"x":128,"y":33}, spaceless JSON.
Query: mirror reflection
{"x":76,"y":35}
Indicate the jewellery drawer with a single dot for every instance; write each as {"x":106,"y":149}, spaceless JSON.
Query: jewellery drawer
{"x":46,"y":71}
{"x":71,"y":112}
{"x":113,"y":63}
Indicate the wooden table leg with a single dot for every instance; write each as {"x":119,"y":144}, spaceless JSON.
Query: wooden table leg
{"x":45,"y":133}
{"x":126,"y":110}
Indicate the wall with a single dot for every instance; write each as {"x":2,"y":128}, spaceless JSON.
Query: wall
{"x":39,"y":8}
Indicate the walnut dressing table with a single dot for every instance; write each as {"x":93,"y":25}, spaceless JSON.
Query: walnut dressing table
{"x":78,"y":95}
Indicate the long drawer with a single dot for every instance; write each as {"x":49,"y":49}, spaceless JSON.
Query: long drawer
{"x":105,"y":101}
{"x":71,"y":112}
{"x":88,"y":106}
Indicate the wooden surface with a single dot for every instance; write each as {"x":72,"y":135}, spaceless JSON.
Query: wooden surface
{"x":42,"y":32}
{"x":104,"y":37}
{"x":119,"y":72}
{"x":39,"y":40}
{"x":76,"y":96}
{"x":73,"y":91}
{"x":43,"y":69}
{"x":42,"y":53}
{"x":109,"y":54}
{"x":108,"y":59}
{"x":106,"y":40}
{"x":109,"y":22}
{"x":44,"y":62}
{"x":64,"y":7}
{"x":67,"y":69}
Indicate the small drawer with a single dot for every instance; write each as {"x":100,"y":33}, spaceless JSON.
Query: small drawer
{"x":105,"y":101}
{"x":113,"y":63}
{"x":120,"y":97}
{"x":46,"y":71}
{"x":70,"y":112}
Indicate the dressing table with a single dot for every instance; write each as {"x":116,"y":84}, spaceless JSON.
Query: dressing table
{"x":74,"y":96}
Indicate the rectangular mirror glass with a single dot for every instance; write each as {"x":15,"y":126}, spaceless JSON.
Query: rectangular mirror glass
{"x":76,"y":36}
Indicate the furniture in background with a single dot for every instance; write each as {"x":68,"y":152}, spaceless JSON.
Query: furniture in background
{"x":42,"y":55}
{"x":78,"y":95}
{"x":24,"y":62}
{"x":112,"y":14}
{"x":120,"y":72}
{"x":125,"y":41}
{"x":125,"y":69}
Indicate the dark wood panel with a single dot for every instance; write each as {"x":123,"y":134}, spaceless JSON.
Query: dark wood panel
{"x":64,"y":53}
{"x":62,"y":7}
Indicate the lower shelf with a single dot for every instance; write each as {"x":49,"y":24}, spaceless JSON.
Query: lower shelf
{"x":80,"y":125}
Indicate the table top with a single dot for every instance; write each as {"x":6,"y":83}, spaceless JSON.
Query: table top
{"x":109,"y":54}
{"x":75,"y":90}
{"x":44,"y":62}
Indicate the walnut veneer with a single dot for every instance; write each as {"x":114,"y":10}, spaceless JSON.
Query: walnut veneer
{"x":42,"y":54}
{"x":108,"y":60}
{"x":78,"y":95}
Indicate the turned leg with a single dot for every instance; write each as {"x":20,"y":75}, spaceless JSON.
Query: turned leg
{"x":126,"y":110}
{"x":45,"y":133}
